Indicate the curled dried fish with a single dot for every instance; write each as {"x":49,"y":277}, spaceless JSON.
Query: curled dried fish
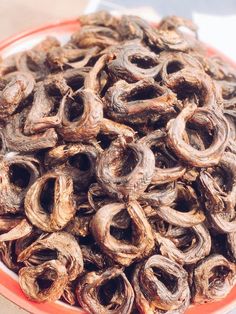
{"x":220,"y":198}
{"x":134,"y":62}
{"x":39,"y":117}
{"x":17,"y":141}
{"x":17,"y":174}
{"x":66,"y":248}
{"x":81,"y":116}
{"x":120,"y":250}
{"x":19,"y":86}
{"x":49,"y":202}
{"x":188,"y":84}
{"x":210,"y":156}
{"x":76,"y":160}
{"x":185,"y":210}
{"x":139,"y":102}
{"x":125,"y":170}
{"x":213,"y":278}
{"x":53,"y":271}
{"x":165,"y":37}
{"x":189,"y":247}
{"x":160,"y":285}
{"x":93,"y":35}
{"x":21,"y":230}
{"x":173,"y":62}
{"x":167,"y":169}
{"x":121,"y":301}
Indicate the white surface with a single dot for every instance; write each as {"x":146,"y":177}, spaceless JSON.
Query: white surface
{"x":218,"y":31}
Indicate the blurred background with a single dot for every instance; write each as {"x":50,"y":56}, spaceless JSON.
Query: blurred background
{"x":216,"y":20}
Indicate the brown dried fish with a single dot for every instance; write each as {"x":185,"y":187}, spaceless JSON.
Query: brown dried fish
{"x":17,"y":141}
{"x":17,"y":174}
{"x":125,"y":170}
{"x":120,"y":301}
{"x":95,"y":35}
{"x":122,"y":250}
{"x":167,"y":168}
{"x":49,"y":203}
{"x":213,"y":278}
{"x":81,"y":116}
{"x":118,"y":163}
{"x":53,"y":271}
{"x":133,"y":62}
{"x":19,"y":86}
{"x":139,"y":102}
{"x":160,"y":285}
{"x":188,"y":247}
{"x":65,"y":246}
{"x":214,"y":119}
{"x":40,"y":116}
{"x":24,"y":228}
{"x":185,"y":211}
{"x":76,"y":160}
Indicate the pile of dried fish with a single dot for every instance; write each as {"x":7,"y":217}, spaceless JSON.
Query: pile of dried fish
{"x":118,"y":168}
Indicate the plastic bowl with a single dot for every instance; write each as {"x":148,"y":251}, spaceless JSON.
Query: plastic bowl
{"x":9,"y":286}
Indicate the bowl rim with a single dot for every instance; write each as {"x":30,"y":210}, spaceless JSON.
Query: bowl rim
{"x":69,"y":23}
{"x":9,"y":286}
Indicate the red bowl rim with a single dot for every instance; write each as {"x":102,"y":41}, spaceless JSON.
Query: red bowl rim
{"x":67,"y":24}
{"x":9,"y":286}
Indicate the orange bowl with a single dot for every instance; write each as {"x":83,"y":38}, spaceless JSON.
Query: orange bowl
{"x":9,"y":286}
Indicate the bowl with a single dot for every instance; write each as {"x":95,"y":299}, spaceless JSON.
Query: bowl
{"x":9,"y":286}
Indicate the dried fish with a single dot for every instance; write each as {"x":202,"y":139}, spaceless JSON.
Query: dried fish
{"x":118,"y":167}
{"x":122,"y":250}
{"x":53,"y":273}
{"x":213,"y":278}
{"x":125,"y":170}
{"x":18,"y":87}
{"x":17,"y":175}
{"x":160,"y":285}
{"x":118,"y":301}
{"x":49,"y":203}
{"x":81,"y":116}
{"x":67,"y":251}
